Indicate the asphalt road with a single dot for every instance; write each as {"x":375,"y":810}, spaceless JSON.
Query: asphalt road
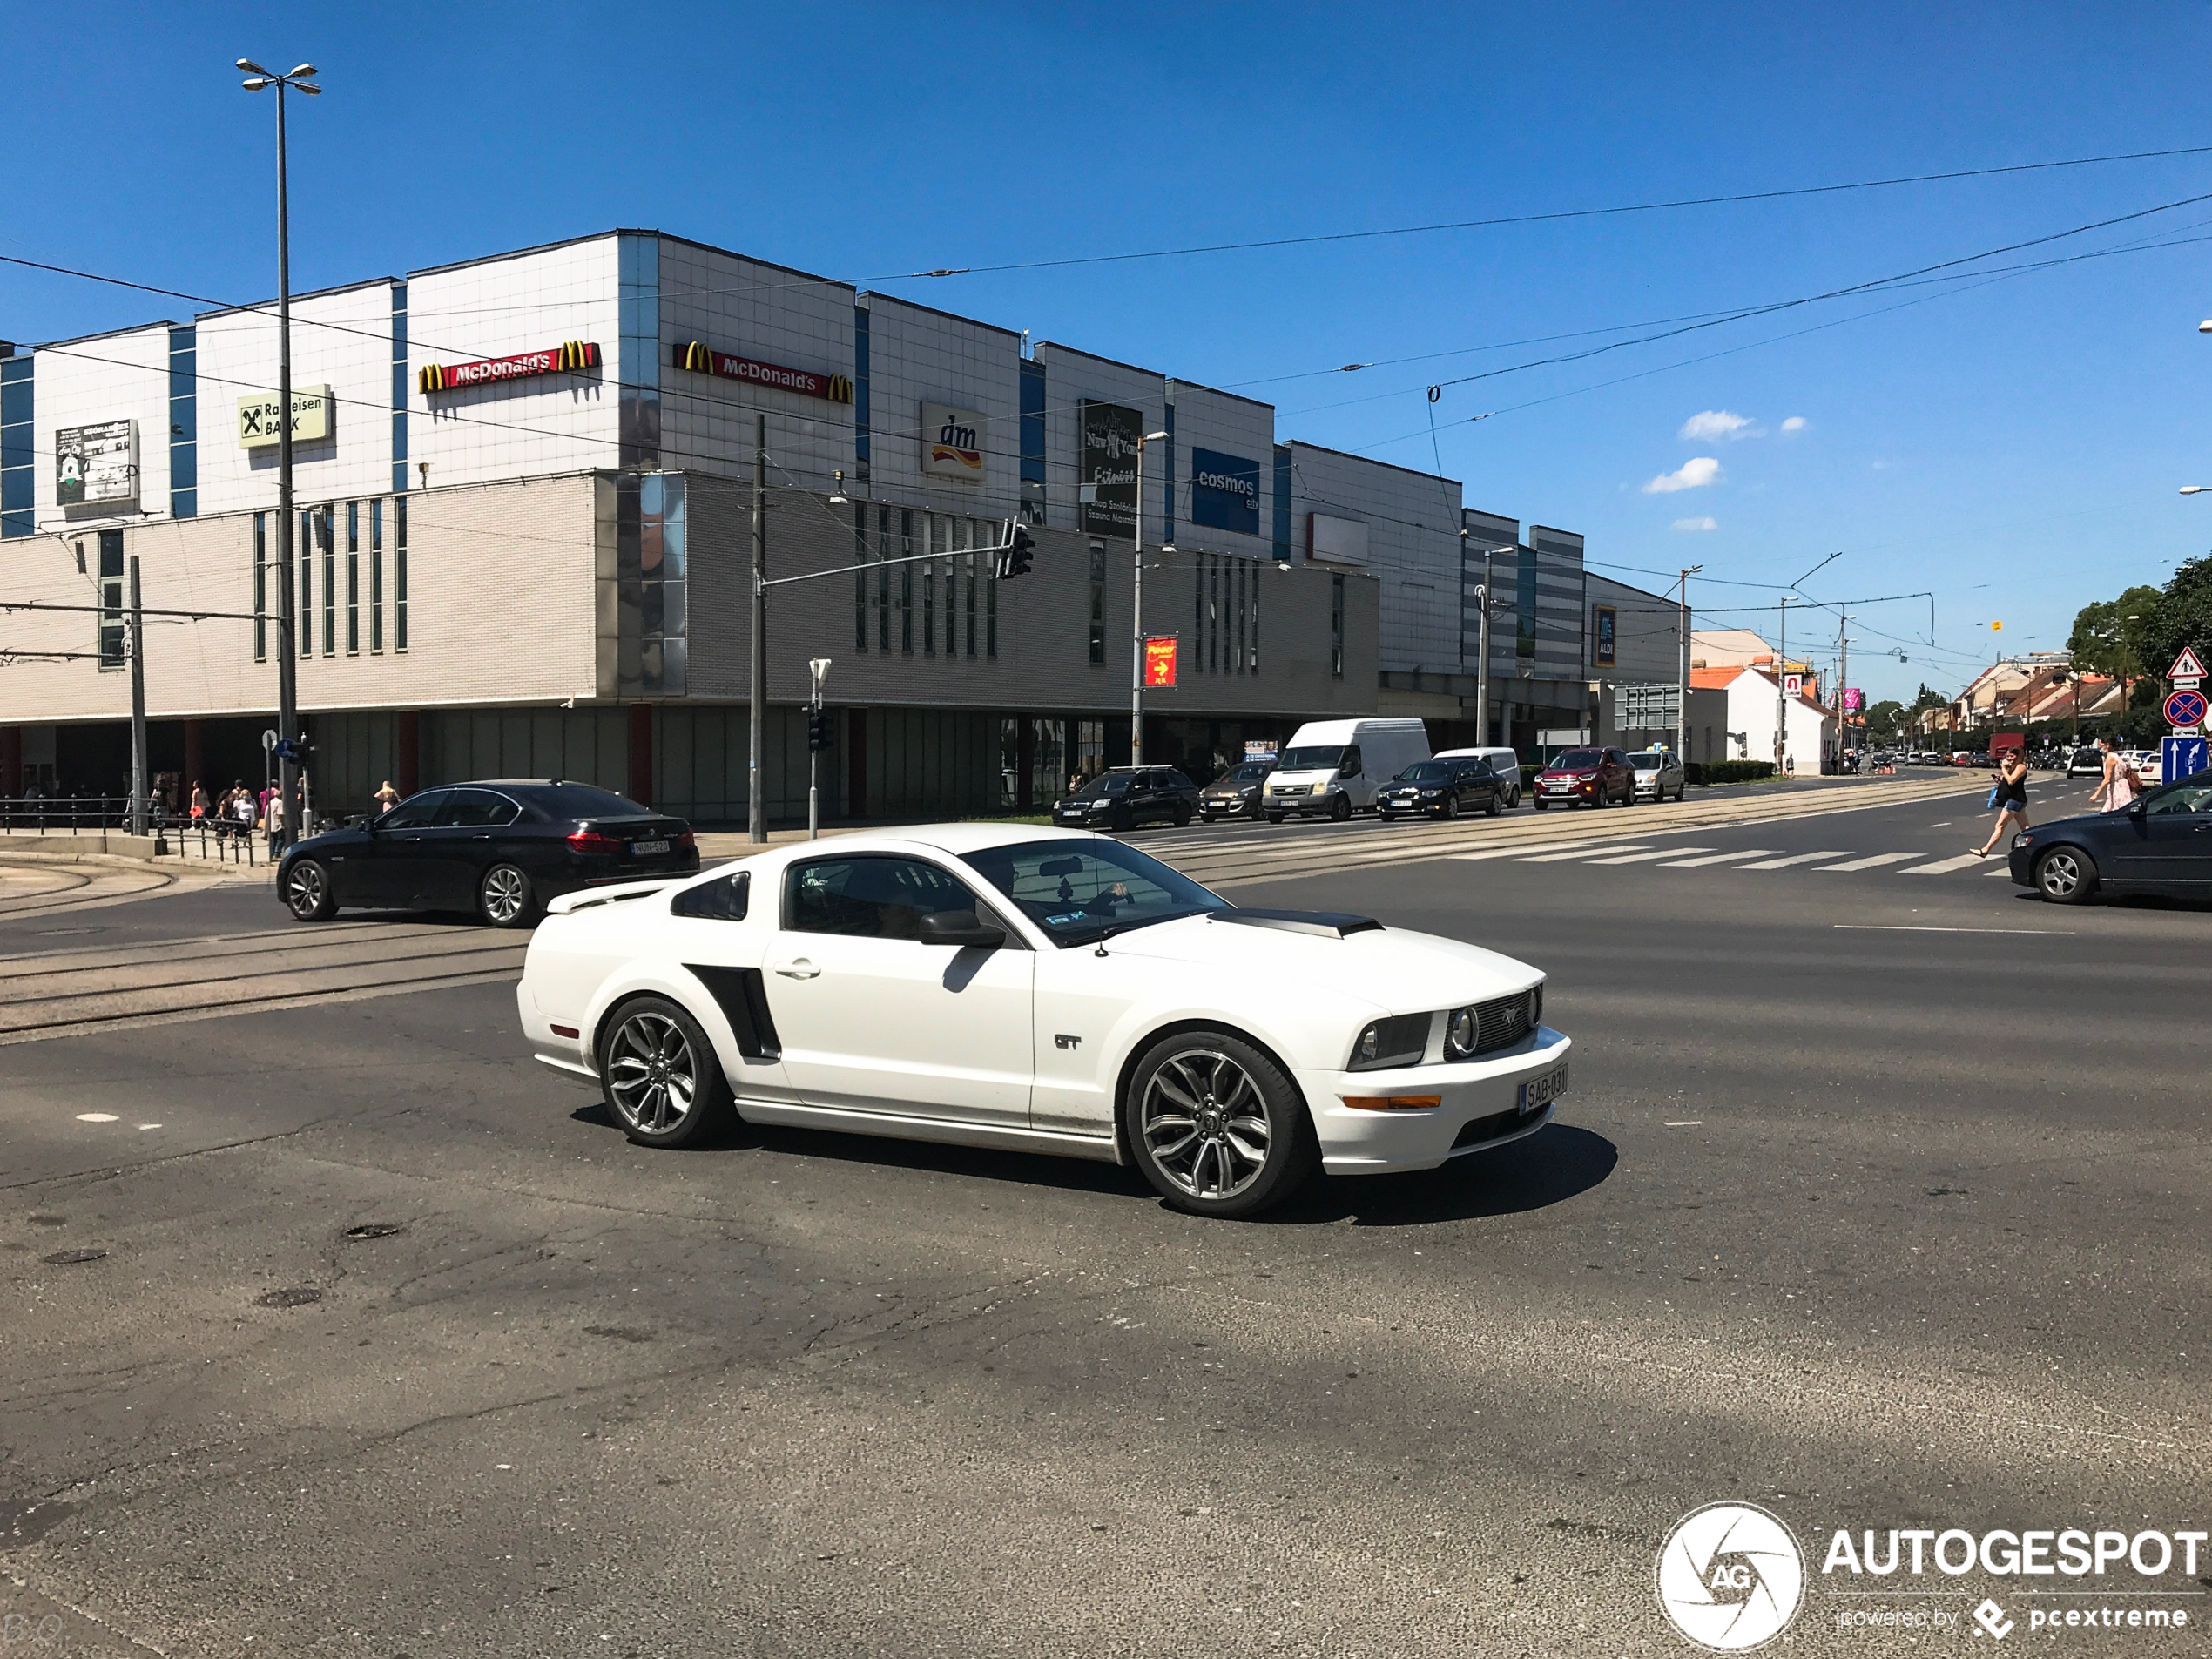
{"x":1880,"y":1199}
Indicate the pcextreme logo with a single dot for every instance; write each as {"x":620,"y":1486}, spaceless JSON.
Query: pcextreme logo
{"x":1730,"y":1577}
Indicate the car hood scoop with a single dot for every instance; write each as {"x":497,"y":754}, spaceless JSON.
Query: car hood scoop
{"x":1324,"y":924}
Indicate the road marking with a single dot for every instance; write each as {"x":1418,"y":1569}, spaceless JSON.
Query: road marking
{"x":1873,"y":863}
{"x":1518,"y":849}
{"x":1582,"y":851}
{"x":1902,"y":927}
{"x":1684,"y":1123}
{"x":1664,"y":852}
{"x":95,"y":1118}
{"x":1944,"y":867}
{"x":2006,"y":873}
{"x":1719,"y":858}
{"x":1798,"y":857}
{"x":1945,"y":825}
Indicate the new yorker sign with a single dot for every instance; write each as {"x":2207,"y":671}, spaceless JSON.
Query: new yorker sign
{"x":700,"y":359}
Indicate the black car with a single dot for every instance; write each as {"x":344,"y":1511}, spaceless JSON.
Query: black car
{"x":1236,"y":792}
{"x":1443,"y":789}
{"x":502,"y":847}
{"x":1125,"y":796}
{"x":2160,"y":844}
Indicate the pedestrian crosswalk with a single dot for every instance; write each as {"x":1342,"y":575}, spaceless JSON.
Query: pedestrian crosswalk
{"x":1763,"y":859}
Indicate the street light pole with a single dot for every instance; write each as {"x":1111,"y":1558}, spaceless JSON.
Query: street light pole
{"x":757,"y":692}
{"x":1482,"y":662}
{"x":138,"y":759}
{"x":1136,"y":613}
{"x":1682,"y":665}
{"x":288,"y":657}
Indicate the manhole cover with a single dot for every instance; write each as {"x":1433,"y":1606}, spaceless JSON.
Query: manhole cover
{"x":298,"y":1297}
{"x":375,"y":1230}
{"x":70,"y":1257}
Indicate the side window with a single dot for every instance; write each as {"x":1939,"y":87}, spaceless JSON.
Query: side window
{"x":474,"y":809}
{"x":1481,"y":769}
{"x":2183,"y":798}
{"x":870,"y":896}
{"x":724,"y":899}
{"x":1351,"y":766}
{"x":417,"y":811}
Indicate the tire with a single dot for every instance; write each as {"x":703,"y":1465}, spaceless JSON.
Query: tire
{"x":505,"y":897}
{"x":1516,"y":802}
{"x":1205,"y":817}
{"x":1495,"y":807}
{"x":1450,"y":806}
{"x":1385,"y":814}
{"x":1182,"y":816}
{"x":1121,"y":818}
{"x":1275,"y":817}
{"x":307,"y":891}
{"x":1216,"y":1126}
{"x":1340,"y":809}
{"x":651,"y":1054}
{"x":2066,"y":875}
{"x":1540,"y":803}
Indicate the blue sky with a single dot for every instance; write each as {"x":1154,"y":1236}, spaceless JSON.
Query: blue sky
{"x":2015,"y":446}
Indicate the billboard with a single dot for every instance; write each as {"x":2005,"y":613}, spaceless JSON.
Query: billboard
{"x":1340,"y":541}
{"x":1106,"y":482}
{"x":1159,"y":659}
{"x":702,"y":359}
{"x":570,"y":357}
{"x":1854,"y":700}
{"x":97,"y":464}
{"x":952,"y":442}
{"x":1225,"y":491}
{"x":257,"y":417}
{"x":1605,"y":634}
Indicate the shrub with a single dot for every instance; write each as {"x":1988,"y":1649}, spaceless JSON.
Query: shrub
{"x":1729,"y":771}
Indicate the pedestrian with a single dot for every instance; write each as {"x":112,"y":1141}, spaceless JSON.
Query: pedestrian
{"x":242,"y":809}
{"x":275,"y":821}
{"x":386,"y":798}
{"x":2008,"y":799}
{"x":198,"y":800}
{"x":2118,"y":788}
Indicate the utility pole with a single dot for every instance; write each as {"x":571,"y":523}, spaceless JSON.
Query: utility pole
{"x":140,"y":776}
{"x":1482,"y":666}
{"x":756,"y":808}
{"x":1843,"y":683}
{"x":288,"y":663}
{"x":818,"y":667}
{"x":1781,"y":694}
{"x":1136,"y":613}
{"x":1681,"y":677}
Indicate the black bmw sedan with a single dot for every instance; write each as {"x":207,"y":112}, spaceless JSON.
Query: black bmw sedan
{"x":2160,"y":844}
{"x":500,"y":848}
{"x":1125,"y":796}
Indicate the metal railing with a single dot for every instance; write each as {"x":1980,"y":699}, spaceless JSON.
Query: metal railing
{"x":217,"y":839}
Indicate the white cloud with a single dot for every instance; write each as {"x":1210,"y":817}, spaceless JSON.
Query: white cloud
{"x":1694,"y":473}
{"x":1697,"y":524}
{"x":1795,"y":424}
{"x":1717,"y":423}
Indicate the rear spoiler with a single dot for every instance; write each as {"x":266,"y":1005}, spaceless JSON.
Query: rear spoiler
{"x":568,"y":903}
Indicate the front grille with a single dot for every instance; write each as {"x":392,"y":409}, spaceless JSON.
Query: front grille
{"x":1476,"y":1130}
{"x":1505,"y":1021}
{"x":1290,"y":789}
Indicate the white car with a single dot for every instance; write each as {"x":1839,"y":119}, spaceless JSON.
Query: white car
{"x":1046,"y":990}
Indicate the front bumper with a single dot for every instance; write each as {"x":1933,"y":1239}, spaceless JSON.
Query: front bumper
{"x":2021,"y":861}
{"x":1570,"y":795}
{"x":1297,"y":806}
{"x":1484,"y":1093}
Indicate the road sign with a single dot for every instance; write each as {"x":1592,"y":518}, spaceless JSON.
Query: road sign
{"x":1793,"y":684}
{"x":2186,"y":667}
{"x":2185,"y":709}
{"x":2184,"y":758}
{"x":268,"y":743}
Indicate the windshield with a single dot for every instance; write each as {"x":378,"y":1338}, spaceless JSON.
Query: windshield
{"x":1313,"y":758}
{"x":1251,"y":772}
{"x":1424,"y":772}
{"x":1646,"y":760}
{"x":1080,"y":891}
{"x":1577,"y":760}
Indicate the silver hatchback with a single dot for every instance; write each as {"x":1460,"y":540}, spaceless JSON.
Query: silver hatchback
{"x":1659,"y":774}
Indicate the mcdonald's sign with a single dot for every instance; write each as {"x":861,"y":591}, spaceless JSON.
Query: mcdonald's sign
{"x":700,"y":359}
{"x":570,"y":357}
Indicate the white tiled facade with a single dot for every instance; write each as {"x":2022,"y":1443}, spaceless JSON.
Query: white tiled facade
{"x":1413,"y":548}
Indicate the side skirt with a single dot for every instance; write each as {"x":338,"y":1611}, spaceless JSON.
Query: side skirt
{"x":950,"y":1132}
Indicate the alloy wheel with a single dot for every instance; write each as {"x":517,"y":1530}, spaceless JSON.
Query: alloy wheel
{"x":1205,"y":1124}
{"x":506,"y":891}
{"x":2060,"y":874}
{"x":305,"y":888}
{"x":652,"y":1076}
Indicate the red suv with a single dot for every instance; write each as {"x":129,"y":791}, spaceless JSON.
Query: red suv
{"x":1593,"y":775}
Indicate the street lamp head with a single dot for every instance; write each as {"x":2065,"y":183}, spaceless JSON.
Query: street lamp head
{"x":251,"y":67}
{"x":259,"y":83}
{"x":2192,"y":490}
{"x":309,"y":89}
{"x":1157,"y":437}
{"x":2205,"y":327}
{"x":300,"y":69}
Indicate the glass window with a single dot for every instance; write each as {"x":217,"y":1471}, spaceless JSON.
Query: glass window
{"x":1351,"y":762}
{"x":906,"y":520}
{"x":326,"y":543}
{"x":562,"y":802}
{"x":1098,"y":602}
{"x":399,"y":573}
{"x":968,"y":606}
{"x":1078,"y":892}
{"x":353,"y":578}
{"x":304,"y":556}
{"x":724,"y":899}
{"x":111,"y":579}
{"x":991,"y":612}
{"x":869,"y":897}
{"x":2182,"y":798}
{"x":476,"y":809}
{"x":1254,"y":642}
{"x":260,"y":587}
{"x":376,"y":576}
{"x":1336,"y":627}
{"x":417,"y":811}
{"x":1312,"y":758}
{"x":1577,"y":761}
{"x":859,"y":575}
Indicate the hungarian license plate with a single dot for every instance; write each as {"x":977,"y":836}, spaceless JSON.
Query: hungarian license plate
{"x":647,"y":849}
{"x":1541,"y":1091}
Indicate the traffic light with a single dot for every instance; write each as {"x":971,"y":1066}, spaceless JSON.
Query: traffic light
{"x":1015,"y":557}
{"x":818,"y":730}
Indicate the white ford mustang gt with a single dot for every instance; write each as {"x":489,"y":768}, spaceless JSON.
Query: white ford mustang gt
{"x":1049,"y":990}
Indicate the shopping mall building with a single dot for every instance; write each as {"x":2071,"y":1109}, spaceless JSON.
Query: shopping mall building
{"x":525,"y":487}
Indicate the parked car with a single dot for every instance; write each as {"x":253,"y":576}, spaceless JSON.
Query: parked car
{"x":2160,"y":844}
{"x":1659,"y":772}
{"x":1236,"y":792}
{"x":2150,"y":767}
{"x":1444,"y":789}
{"x":2086,"y":763}
{"x":1595,"y":776}
{"x":504,"y":848}
{"x":1122,"y":798}
{"x":1049,"y":991}
{"x":1339,"y":767}
{"x":1503,"y":761}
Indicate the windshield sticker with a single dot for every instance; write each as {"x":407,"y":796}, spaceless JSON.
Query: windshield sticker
{"x":1061,"y":921}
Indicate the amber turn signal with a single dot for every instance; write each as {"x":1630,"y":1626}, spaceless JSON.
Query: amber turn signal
{"x":1392,"y":1103}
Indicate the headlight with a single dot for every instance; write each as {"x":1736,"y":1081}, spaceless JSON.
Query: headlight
{"x":1460,"y":1031}
{"x":1400,"y":1041}
{"x":2022,"y":838}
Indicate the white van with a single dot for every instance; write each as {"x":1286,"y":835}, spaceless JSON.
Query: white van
{"x":1338,"y":767}
{"x":1504,"y":762}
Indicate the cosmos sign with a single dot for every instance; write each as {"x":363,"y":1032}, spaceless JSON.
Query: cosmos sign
{"x":1224,"y":492}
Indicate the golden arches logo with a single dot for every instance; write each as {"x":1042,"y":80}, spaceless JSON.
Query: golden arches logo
{"x":695,"y":357}
{"x":840,"y":389}
{"x":432,"y":378}
{"x":579,"y":353}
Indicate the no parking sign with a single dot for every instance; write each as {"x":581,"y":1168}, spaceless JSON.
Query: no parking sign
{"x":2185,"y":709}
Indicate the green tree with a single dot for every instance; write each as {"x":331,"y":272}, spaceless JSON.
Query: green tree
{"x":2183,"y":616}
{"x":1885,"y":721}
{"x":2111,"y":637}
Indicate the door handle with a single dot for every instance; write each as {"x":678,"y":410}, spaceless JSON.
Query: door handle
{"x":800,"y":968}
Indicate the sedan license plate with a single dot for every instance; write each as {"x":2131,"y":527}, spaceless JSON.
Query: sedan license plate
{"x":1541,"y":1091}
{"x":647,"y":849}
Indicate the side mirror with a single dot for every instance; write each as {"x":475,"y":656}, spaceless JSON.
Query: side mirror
{"x":959,"y":928}
{"x":2135,"y":807}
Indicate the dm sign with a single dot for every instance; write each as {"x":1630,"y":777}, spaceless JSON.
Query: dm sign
{"x":952,"y":442}
{"x":1225,"y":491}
